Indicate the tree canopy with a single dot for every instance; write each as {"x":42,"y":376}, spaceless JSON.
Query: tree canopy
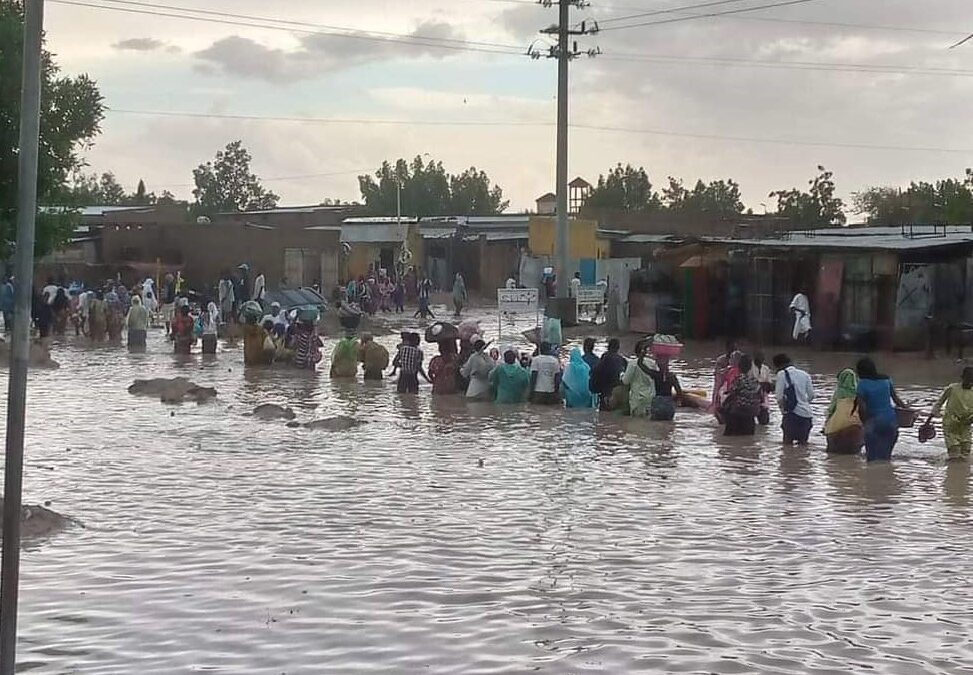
{"x":718,"y":199}
{"x":624,"y":188}
{"x":945,"y":201}
{"x":227,"y":184}
{"x":427,"y":190}
{"x":71,"y":111}
{"x":816,"y":208}
{"x":105,"y":190}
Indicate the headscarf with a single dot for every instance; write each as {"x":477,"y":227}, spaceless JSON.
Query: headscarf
{"x":344,"y":358}
{"x":214,"y":313}
{"x":576,"y":380}
{"x":847,"y":388}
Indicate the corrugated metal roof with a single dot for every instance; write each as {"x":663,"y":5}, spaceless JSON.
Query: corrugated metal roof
{"x":874,"y":238}
{"x":286,"y":209}
{"x":93,"y":211}
{"x":378,"y":220}
{"x":652,"y":239}
{"x":373,"y":233}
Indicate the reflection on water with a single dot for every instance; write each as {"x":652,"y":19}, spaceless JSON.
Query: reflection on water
{"x":450,"y":537}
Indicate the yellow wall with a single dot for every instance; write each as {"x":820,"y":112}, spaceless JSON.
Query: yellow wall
{"x":583,"y":237}
{"x":363,"y":254}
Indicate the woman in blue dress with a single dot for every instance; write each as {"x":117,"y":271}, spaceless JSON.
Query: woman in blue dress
{"x":876,"y":403}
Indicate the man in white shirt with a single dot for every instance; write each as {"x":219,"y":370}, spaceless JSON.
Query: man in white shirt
{"x":50,"y":291}
{"x":800,"y":307}
{"x":545,"y":377}
{"x":259,"y":288}
{"x":575,"y":284}
{"x":794,"y":392}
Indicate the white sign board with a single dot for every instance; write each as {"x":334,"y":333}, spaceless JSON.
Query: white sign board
{"x":591,"y":295}
{"x":518,"y":300}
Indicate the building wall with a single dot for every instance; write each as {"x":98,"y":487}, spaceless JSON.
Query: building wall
{"x":583,"y":237}
{"x":203,"y":252}
{"x":499,"y":260}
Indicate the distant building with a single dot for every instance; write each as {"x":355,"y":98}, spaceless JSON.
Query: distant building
{"x":547,"y":204}
{"x":578,"y":192}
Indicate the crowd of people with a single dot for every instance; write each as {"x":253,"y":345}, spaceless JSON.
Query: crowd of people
{"x":865,"y":412}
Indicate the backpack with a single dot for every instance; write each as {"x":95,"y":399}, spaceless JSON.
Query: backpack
{"x":790,"y":394}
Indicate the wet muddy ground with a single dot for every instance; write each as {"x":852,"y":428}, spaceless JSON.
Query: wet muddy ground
{"x":448,"y":537}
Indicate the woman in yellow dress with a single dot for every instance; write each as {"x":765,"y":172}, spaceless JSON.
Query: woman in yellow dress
{"x":957,"y":400}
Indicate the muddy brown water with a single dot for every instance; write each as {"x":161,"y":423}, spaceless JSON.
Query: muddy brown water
{"x":215,"y":542}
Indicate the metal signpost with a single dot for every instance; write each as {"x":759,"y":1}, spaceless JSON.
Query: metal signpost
{"x":590,"y":296}
{"x":513,"y":302}
{"x":30,"y":97}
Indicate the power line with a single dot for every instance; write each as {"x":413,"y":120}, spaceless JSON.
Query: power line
{"x":325,"y":120}
{"x":307,"y":24}
{"x":588,"y":127}
{"x":856,"y":26}
{"x":275,"y":178}
{"x":838,"y":67}
{"x":671,"y":10}
{"x":693,"y":17}
{"x":416,"y":41}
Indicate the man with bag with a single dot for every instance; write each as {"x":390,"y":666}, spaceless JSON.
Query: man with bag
{"x":794,"y":392}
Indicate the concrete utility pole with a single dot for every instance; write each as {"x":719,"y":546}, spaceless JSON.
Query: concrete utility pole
{"x":30,"y":107}
{"x":564,"y":53}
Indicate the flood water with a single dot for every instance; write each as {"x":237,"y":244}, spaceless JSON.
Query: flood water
{"x":213,"y":542}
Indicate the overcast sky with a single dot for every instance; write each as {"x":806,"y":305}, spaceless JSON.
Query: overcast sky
{"x":708,"y":119}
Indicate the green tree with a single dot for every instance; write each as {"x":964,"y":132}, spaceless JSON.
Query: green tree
{"x":139,"y":197}
{"x":226,"y":184}
{"x":816,"y":208}
{"x":71,"y":111}
{"x":112,"y":192}
{"x":624,"y":188}
{"x":472,"y":195}
{"x":945,"y":201}
{"x":718,"y":199}
{"x":427,"y":190}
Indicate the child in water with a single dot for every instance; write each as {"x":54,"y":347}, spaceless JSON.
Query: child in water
{"x":958,"y":416}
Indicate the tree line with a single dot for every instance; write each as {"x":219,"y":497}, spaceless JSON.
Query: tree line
{"x":625,"y":188}
{"x":73,"y":109}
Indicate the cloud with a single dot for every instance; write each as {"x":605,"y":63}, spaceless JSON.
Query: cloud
{"x":321,"y":53}
{"x":142,"y":44}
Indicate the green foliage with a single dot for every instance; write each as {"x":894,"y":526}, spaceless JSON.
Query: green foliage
{"x":427,"y":190}
{"x":92,"y":190}
{"x":719,"y":199}
{"x":945,"y":201}
{"x":71,"y":111}
{"x":624,"y":188}
{"x":815,"y":208}
{"x":226,"y":184}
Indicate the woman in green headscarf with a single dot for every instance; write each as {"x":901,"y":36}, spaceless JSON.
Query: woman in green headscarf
{"x":344,"y":359}
{"x":844,"y":429}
